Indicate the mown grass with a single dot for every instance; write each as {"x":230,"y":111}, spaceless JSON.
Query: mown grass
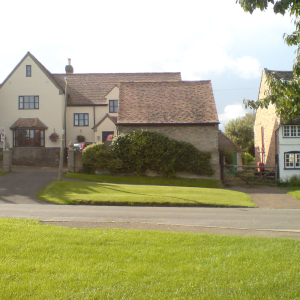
{"x":71,"y":192}
{"x":209,"y":183}
{"x":295,"y":193}
{"x":48,"y":262}
{"x":3,"y":173}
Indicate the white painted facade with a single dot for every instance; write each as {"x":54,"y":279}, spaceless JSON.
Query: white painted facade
{"x":288,"y":146}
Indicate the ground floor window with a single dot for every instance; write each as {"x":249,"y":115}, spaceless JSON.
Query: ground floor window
{"x":29,"y":138}
{"x":292,"y":160}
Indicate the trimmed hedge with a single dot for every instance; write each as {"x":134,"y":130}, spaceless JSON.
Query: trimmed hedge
{"x":139,"y":151}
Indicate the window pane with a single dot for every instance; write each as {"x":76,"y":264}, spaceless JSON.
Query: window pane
{"x":31,"y":105}
{"x":297,"y":161}
{"x":286,"y":131}
{"x":293,"y":131}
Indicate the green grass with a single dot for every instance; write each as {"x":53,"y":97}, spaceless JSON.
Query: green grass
{"x":209,"y":183}
{"x":295,"y":193}
{"x":48,"y":262}
{"x":3,"y":173}
{"x":71,"y":192}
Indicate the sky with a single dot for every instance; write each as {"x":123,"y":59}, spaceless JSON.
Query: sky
{"x":204,"y":40}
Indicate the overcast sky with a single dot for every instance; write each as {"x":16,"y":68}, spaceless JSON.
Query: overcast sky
{"x":202,"y":39}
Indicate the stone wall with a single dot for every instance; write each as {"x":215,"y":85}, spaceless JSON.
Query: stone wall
{"x":203,"y":137}
{"x":268,"y":122}
{"x":35,"y":156}
{"x":74,"y":161}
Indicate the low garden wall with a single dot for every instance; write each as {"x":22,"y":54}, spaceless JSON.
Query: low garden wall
{"x":36,"y":156}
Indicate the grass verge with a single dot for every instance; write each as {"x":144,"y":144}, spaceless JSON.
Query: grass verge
{"x":48,"y":262}
{"x":3,"y":173}
{"x":295,"y":193}
{"x":71,"y":192}
{"x":209,"y":183}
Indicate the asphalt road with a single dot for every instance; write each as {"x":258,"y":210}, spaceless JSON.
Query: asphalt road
{"x":17,"y":200}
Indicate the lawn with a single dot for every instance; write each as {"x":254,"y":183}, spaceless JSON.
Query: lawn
{"x":208,"y":183}
{"x":295,"y":193}
{"x":73,"y":192}
{"x":48,"y":262}
{"x":2,"y":173}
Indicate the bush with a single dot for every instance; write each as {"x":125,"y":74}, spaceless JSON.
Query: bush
{"x":247,"y":159}
{"x":147,"y":150}
{"x":96,"y":156}
{"x":293,"y":181}
{"x":229,"y":157}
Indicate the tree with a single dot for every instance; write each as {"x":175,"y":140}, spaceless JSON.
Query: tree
{"x":284,"y":93}
{"x":240,"y":131}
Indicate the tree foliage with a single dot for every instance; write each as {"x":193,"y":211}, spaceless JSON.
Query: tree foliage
{"x":240,"y":131}
{"x":284,"y":93}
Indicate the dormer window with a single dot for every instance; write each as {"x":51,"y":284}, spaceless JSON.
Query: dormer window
{"x":113,"y":106}
{"x":28,"y":71}
{"x":291,"y":131}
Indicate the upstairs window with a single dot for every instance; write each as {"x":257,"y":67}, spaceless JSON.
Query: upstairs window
{"x":28,"y":71}
{"x":113,"y":106}
{"x":81,"y":119}
{"x":291,"y":130}
{"x":292,"y":160}
{"x":28,"y":102}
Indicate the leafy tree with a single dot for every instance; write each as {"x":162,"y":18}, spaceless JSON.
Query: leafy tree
{"x":240,"y":131}
{"x":284,"y":93}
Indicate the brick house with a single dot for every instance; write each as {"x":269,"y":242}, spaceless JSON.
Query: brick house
{"x":276,"y":142}
{"x":32,"y":99}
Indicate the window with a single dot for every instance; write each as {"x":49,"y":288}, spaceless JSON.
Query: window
{"x":28,"y":71}
{"x":113,"y":106}
{"x":29,"y":138}
{"x":28,"y":102}
{"x":291,"y":131}
{"x":292,"y":160}
{"x":81,"y":119}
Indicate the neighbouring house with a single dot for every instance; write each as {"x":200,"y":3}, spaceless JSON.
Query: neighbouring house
{"x":32,"y":101}
{"x":276,"y":142}
{"x":182,"y":110}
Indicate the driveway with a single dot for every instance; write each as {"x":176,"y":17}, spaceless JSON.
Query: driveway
{"x":22,"y":183}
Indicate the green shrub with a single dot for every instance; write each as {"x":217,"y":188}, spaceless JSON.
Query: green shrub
{"x":229,"y":156}
{"x":95,"y":156}
{"x":293,"y":181}
{"x":147,"y":150}
{"x":247,"y":159}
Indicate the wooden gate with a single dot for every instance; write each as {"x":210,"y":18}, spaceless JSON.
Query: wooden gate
{"x":251,"y":175}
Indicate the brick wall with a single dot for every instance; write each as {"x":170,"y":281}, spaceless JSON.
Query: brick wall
{"x":267,"y":119}
{"x":35,"y":156}
{"x":203,"y":137}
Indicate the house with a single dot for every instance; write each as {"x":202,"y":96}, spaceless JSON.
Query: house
{"x":32,"y":101}
{"x":181,"y":110}
{"x":276,"y":142}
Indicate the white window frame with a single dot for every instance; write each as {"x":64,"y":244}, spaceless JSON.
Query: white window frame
{"x":291,"y":131}
{"x":292,"y":160}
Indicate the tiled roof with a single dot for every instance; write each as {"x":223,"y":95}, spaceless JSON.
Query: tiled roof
{"x":177,"y":102}
{"x":225,"y":143}
{"x":91,"y":89}
{"x":28,"y":123}
{"x":113,"y":119}
{"x":285,"y":75}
